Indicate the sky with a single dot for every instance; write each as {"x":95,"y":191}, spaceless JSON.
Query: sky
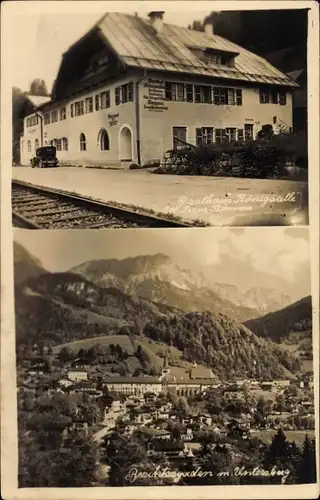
{"x":38,"y":40}
{"x":263,"y":257}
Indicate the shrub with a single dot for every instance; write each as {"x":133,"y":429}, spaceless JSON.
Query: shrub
{"x":262,"y":158}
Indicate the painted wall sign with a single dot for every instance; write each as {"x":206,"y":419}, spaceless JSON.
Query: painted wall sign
{"x":113,"y":119}
{"x":154,"y":95}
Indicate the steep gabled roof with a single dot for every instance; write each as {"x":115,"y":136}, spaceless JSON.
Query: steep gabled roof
{"x":135,"y":42}
{"x":37,"y":100}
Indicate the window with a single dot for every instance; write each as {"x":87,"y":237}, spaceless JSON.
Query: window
{"x":104,"y":142}
{"x":282,"y":97}
{"x":47,"y":118}
{"x":179,"y":137}
{"x":105,"y":99}
{"x":202,"y":94}
{"x":29,"y":146}
{"x":215,"y":58}
{"x":124,"y":93}
{"x":64,"y":143}
{"x":248,"y":131}
{"x":79,"y":108}
{"x":274,"y":97}
{"x":240,"y":134}
{"x":83,"y":142}
{"x":231,"y":97}
{"x":63,"y":113}
{"x":58,"y":144}
{"x":54,"y":116}
{"x":204,"y":136}
{"x":36,"y":144}
{"x":72,"y":110}
{"x":264,"y":96}
{"x":33,"y":120}
{"x":220,"y":135}
{"x":231,"y":134}
{"x":174,"y":91}
{"x":88,"y":105}
{"x":220,"y":95}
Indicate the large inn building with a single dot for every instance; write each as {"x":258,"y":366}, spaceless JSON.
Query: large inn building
{"x":133,"y":88}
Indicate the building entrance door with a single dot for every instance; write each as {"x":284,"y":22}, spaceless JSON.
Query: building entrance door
{"x":179,"y":134}
{"x":125,"y":144}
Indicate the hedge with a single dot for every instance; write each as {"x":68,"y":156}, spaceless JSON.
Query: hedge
{"x":262,"y":158}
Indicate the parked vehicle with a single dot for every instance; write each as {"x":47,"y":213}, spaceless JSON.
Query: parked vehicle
{"x":45,"y":157}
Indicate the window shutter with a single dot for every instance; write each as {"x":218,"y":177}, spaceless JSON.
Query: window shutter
{"x":117,"y":96}
{"x":97,"y":102}
{"x":189,"y":92}
{"x":199,"y":140}
{"x":239,"y":97}
{"x":130,"y":91}
{"x":168,"y":92}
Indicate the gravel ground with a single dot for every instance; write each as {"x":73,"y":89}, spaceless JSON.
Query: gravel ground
{"x":218,"y":201}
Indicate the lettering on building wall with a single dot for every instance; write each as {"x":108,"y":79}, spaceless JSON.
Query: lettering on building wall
{"x":113,"y":119}
{"x":154,"y":95}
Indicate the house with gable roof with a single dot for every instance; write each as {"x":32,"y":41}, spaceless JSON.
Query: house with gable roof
{"x":132,"y":88}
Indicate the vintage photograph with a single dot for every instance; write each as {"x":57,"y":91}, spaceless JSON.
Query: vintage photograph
{"x":170,"y":118}
{"x":141,"y":364}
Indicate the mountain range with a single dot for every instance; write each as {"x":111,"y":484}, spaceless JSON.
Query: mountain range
{"x":293,"y":320}
{"x":145,"y":297}
{"x":157,"y":278}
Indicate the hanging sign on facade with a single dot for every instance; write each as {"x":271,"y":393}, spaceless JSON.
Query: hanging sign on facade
{"x":154,"y":95}
{"x":113,"y":119}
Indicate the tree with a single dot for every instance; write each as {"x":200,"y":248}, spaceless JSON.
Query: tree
{"x":266,"y":132}
{"x":307,"y":466}
{"x":18,"y":101}
{"x":65,"y":354}
{"x":280,"y":401}
{"x":261,"y":406}
{"x":282,"y":454}
{"x":38,"y":87}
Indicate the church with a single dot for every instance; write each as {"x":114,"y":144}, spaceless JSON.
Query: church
{"x":132,"y":88}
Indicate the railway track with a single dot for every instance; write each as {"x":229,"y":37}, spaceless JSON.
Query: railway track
{"x":35,"y":207}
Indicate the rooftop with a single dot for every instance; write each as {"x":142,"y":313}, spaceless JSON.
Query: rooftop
{"x":133,"y":39}
{"x":37,"y":100}
{"x":150,"y":431}
{"x":131,"y":380}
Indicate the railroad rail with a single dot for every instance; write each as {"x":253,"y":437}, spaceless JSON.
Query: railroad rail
{"x":37,"y":207}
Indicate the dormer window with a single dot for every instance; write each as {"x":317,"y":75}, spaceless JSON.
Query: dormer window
{"x":214,"y":56}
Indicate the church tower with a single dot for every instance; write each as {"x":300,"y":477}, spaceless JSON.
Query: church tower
{"x":166,"y":368}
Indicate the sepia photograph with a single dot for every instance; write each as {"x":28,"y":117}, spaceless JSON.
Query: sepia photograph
{"x":139,"y":364}
{"x":159,"y":250}
{"x":142,"y":118}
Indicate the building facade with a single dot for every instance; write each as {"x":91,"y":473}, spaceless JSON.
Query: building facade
{"x":132,"y":88}
{"x":77,"y":375}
